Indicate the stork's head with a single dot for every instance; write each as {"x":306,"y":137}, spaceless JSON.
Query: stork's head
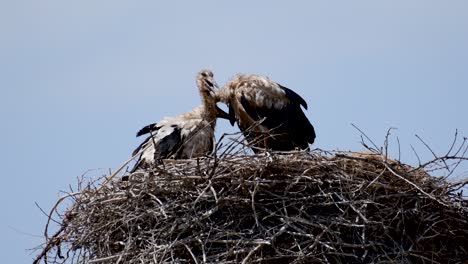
{"x":206,"y":83}
{"x":208,"y":88}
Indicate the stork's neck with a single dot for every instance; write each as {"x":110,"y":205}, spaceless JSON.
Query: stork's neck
{"x":209,"y":108}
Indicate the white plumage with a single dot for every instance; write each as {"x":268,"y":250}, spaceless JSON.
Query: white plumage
{"x":269,"y":115}
{"x":184,"y":136}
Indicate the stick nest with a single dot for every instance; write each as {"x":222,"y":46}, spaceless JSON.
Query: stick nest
{"x":299,"y":207}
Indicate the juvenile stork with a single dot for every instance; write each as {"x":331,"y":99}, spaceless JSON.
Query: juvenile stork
{"x":268,"y":114}
{"x":184,"y":136}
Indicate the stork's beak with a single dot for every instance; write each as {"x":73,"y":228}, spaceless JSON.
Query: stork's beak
{"x":212,"y":86}
{"x":221,"y":114}
{"x":215,"y":85}
{"x":215,"y":88}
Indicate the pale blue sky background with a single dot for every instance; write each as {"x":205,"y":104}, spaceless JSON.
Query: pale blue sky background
{"x":79,"y":78}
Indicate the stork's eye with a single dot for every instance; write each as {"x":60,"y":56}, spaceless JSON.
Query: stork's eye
{"x":204,"y":74}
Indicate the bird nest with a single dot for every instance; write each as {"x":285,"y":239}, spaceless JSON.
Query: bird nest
{"x":295,"y":207}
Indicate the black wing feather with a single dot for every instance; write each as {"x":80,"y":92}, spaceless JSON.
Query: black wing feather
{"x":164,"y":148}
{"x":169,"y":144}
{"x":140,"y":146}
{"x":147,"y":129}
{"x":289,"y":126}
{"x":138,"y":163}
{"x":294,"y":97}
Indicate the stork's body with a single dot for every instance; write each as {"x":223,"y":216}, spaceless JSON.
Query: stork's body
{"x":269,"y":115}
{"x":184,"y":136}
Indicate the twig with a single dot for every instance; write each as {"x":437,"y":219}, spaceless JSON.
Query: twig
{"x":370,"y":140}
{"x":433,"y":153}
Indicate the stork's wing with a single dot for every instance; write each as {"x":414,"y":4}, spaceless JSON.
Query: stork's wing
{"x":136,"y":151}
{"x":169,"y":144}
{"x":147,"y":129}
{"x":141,"y":146}
{"x":294,"y":97}
{"x":164,"y":144}
{"x":287,"y":121}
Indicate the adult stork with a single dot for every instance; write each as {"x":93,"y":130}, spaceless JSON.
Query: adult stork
{"x":268,"y":114}
{"x":184,"y":136}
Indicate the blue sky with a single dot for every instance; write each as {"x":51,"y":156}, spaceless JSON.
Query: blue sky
{"x":79,"y":78}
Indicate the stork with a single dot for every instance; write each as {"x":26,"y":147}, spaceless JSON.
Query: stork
{"x":184,"y":136}
{"x":268,"y":114}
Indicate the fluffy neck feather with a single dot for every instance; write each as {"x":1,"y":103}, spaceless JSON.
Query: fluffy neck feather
{"x":208,"y":110}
